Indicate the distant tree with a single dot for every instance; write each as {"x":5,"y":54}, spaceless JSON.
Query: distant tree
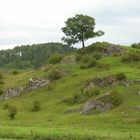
{"x":79,"y":29}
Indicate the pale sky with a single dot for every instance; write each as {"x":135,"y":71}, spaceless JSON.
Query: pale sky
{"x":38,"y":21}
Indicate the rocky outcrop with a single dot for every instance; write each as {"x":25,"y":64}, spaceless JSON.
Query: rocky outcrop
{"x":70,"y":59}
{"x":106,"y":81}
{"x":33,"y":83}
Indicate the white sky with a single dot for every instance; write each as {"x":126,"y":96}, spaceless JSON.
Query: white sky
{"x":40,"y":21}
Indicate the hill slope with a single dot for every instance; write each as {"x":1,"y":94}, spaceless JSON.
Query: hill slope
{"x":62,"y":99}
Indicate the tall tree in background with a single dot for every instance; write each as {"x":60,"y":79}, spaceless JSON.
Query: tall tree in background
{"x":79,"y":29}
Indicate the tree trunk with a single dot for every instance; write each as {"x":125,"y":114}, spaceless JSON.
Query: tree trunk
{"x":83,"y":43}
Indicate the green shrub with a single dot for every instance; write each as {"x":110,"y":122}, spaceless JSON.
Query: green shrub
{"x":5,"y":106}
{"x":136,"y":45}
{"x":97,"y":56}
{"x":131,"y":56}
{"x":54,"y":75}
{"x":2,"y":82}
{"x":91,"y":63}
{"x":121,"y":76}
{"x":14,"y":72}
{"x":1,"y":92}
{"x":55,"y":59}
{"x":12,"y":111}
{"x":113,"y":98}
{"x":36,"y":106}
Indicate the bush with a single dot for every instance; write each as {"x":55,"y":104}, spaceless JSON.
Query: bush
{"x":54,"y":75}
{"x":97,"y":56}
{"x":121,"y":76}
{"x":113,"y":98}
{"x":1,"y":92}
{"x":36,"y":106}
{"x":131,"y":56}
{"x":14,"y":72}
{"x":12,"y":110}
{"x":5,"y":106}
{"x":55,"y":59}
{"x":136,"y":45}
{"x":91,"y":63}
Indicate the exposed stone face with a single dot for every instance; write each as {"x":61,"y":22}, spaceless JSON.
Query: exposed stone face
{"x":68,"y":60}
{"x":106,"y":81}
{"x":33,"y":83}
{"x":113,"y":49}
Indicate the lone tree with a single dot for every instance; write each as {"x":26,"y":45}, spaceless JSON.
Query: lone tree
{"x":80,"y":28}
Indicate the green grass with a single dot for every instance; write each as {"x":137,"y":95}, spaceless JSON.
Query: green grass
{"x":51,"y":119}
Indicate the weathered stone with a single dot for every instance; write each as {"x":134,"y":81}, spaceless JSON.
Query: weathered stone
{"x":33,"y":83}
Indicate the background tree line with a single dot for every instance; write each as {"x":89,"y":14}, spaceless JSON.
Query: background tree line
{"x":26,"y":56}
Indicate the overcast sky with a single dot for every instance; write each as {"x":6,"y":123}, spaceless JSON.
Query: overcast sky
{"x":39,"y":21}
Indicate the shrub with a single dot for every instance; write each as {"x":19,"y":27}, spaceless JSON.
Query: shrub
{"x":14,"y":72}
{"x":121,"y":76}
{"x":36,"y":106}
{"x":1,"y":92}
{"x":113,"y":98}
{"x":12,"y":110}
{"x":97,"y":56}
{"x":55,"y":59}
{"x":136,"y":45}
{"x":54,"y":75}
{"x":5,"y":106}
{"x":131,"y":56}
{"x":91,"y":63}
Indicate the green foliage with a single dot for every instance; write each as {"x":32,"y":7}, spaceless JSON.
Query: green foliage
{"x":79,"y":29}
{"x":31,"y":56}
{"x":131,"y":56}
{"x":136,"y":45}
{"x":14,"y":72}
{"x":121,"y":76}
{"x":55,"y":59}
{"x":97,"y":47}
{"x":88,"y":62}
{"x":54,"y":75}
{"x":5,"y":106}
{"x":83,"y":96}
{"x":114,"y":98}
{"x":36,"y":106}
{"x":1,"y":91}
{"x":12,"y":111}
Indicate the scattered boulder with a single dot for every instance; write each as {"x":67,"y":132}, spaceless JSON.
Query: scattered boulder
{"x":138,"y":108}
{"x":138,"y":92}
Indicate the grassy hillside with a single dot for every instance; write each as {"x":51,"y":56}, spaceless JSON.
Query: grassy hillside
{"x":121,"y":122}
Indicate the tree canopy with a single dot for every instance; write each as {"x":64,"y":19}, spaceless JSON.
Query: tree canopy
{"x":80,"y":28}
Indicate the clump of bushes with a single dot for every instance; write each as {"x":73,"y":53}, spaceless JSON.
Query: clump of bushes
{"x":12,"y":111}
{"x":55,"y":59}
{"x":136,"y":45}
{"x":5,"y":106}
{"x":1,"y":92}
{"x":54,"y":75}
{"x":36,"y":106}
{"x":83,"y":96}
{"x":121,"y":76}
{"x":131,"y":56}
{"x":14,"y":72}
{"x":88,"y":62}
